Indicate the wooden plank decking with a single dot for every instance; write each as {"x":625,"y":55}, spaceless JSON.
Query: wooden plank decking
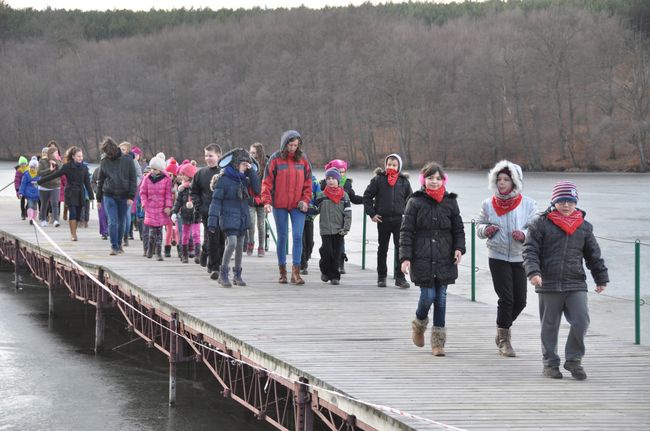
{"x":355,"y":338}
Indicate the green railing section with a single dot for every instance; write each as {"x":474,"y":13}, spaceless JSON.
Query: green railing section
{"x":637,"y":292}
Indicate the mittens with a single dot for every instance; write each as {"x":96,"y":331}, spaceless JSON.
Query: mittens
{"x":491,"y":230}
{"x":518,"y":235}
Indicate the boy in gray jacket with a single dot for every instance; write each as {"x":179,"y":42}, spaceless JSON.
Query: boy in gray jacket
{"x":335,"y":210}
{"x":554,"y":251}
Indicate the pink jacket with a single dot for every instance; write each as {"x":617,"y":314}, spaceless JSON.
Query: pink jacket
{"x":155,"y":197}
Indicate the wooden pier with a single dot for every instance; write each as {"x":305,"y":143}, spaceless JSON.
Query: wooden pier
{"x":352,"y":339}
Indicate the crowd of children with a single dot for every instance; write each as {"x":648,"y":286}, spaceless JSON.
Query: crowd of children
{"x":167,"y":202}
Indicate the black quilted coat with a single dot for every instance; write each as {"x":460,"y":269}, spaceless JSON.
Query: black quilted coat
{"x":429,"y":235}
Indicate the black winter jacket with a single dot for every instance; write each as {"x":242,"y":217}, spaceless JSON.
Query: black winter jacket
{"x":389,"y":202}
{"x":78,"y":182}
{"x":201,"y":192}
{"x":117,"y":178}
{"x":430,"y":234}
{"x":188,"y":216}
{"x":557,"y":257}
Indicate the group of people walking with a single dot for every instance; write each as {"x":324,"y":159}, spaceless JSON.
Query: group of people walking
{"x":231,"y":194}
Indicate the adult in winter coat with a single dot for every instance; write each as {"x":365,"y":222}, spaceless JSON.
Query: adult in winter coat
{"x":77,"y":186}
{"x":556,"y":245}
{"x":229,"y":208}
{"x":504,"y":221}
{"x":116,"y":187}
{"x":432,"y":242}
{"x":384,"y":201}
{"x":286,"y":190}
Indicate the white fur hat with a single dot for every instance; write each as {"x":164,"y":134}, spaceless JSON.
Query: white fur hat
{"x":516,"y":174}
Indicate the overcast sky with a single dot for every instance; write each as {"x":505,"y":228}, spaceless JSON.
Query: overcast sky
{"x":175,"y":4}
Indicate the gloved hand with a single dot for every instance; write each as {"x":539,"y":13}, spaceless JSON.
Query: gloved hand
{"x":343,"y":232}
{"x":518,"y":235}
{"x":491,"y":230}
{"x":212,"y":229}
{"x":189,"y":205}
{"x":174,"y":218}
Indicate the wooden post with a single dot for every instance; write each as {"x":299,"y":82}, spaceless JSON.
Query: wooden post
{"x":100,"y":321}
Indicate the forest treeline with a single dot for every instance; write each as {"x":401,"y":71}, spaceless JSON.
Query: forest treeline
{"x":551,"y":84}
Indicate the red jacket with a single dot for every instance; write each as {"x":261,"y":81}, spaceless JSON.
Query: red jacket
{"x":286,"y":182}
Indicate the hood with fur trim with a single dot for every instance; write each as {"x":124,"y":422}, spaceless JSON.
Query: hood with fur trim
{"x":516,"y":174}
{"x":382,"y":171}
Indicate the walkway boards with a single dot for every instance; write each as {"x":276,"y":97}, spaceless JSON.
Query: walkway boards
{"x":356,"y":338}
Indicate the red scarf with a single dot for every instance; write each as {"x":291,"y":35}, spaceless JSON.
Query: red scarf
{"x":504,"y":206}
{"x":335,"y":194}
{"x":568,"y":224}
{"x":391,"y":175}
{"x":437,"y":194}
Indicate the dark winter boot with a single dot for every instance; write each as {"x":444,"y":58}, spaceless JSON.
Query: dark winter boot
{"x":438,"y":339}
{"x":168,"y":251}
{"x":503,"y":341}
{"x":552,"y":372}
{"x":303,"y":268}
{"x":223,"y":276}
{"x":236,"y":277}
{"x":159,"y":253}
{"x":197,"y":253}
{"x":216,"y":274}
{"x":576,"y":370}
{"x":179,"y":251}
{"x":203,"y":257}
{"x":184,"y":253}
{"x":150,"y":247}
{"x":190,"y":250}
{"x":419,"y":328}
{"x":344,"y":258}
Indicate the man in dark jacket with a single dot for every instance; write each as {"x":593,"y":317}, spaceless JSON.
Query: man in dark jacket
{"x":384,"y":201}
{"x":201,"y":193}
{"x":553,"y":253}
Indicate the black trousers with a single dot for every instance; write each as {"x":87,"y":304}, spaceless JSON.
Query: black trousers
{"x":23,"y":207}
{"x":509,"y":279}
{"x":330,"y":253}
{"x":385,"y":229}
{"x":307,"y":243}
{"x":213,"y":246}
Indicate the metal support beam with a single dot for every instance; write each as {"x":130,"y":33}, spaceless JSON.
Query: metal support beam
{"x":173,"y":353}
{"x":304,"y":414}
{"x":100,"y":320}
{"x":17,"y":265}
{"x":50,"y":287}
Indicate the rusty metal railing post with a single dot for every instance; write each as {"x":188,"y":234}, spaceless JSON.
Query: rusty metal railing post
{"x":100,"y":320}
{"x":51,"y":283}
{"x":302,"y":398}
{"x":173,"y":353}
{"x":17,"y":265}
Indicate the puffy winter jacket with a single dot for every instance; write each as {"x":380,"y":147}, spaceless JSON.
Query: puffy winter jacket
{"x":28,"y":187}
{"x":430,"y":234}
{"x":77,"y":183}
{"x":229,"y":207}
{"x":20,"y":170}
{"x":116,"y":178}
{"x":380,"y":198}
{"x":286,"y":182}
{"x":156,"y":195}
{"x":502,"y":246}
{"x":334,"y":217}
{"x":557,"y":256}
{"x":188,"y":216}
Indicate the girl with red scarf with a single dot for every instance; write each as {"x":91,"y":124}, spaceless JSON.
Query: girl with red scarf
{"x":335,"y":220}
{"x":504,"y":221}
{"x":432,"y":242}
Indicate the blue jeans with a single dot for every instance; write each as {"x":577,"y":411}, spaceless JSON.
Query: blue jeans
{"x":116,"y":210}
{"x":281,"y":217}
{"x":436,"y":295}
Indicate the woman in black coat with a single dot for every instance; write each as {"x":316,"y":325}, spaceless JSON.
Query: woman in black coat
{"x":432,"y":242}
{"x":78,"y":185}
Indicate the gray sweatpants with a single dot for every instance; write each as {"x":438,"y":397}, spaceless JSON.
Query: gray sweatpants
{"x":575,"y":309}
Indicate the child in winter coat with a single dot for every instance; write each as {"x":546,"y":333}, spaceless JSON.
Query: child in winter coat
{"x":432,"y":242}
{"x":308,"y":231}
{"x":20,"y":168}
{"x":356,"y":199}
{"x":171,"y":231}
{"x":28,"y":189}
{"x":185,"y":207}
{"x":157,"y":201}
{"x":504,"y":221}
{"x":384,"y":201}
{"x":556,"y":244}
{"x":229,"y":209}
{"x":335,"y":219}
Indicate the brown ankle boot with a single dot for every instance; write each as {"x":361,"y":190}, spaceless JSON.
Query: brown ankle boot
{"x":295,"y":275}
{"x":283,"y":274}
{"x":419,"y":327}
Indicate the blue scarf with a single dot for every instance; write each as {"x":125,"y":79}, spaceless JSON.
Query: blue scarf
{"x":234,"y":173}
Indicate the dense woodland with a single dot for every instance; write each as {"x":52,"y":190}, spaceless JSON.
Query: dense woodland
{"x":555,"y":84}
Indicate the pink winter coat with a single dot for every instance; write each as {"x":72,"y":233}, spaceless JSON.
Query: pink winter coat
{"x":156,"y":195}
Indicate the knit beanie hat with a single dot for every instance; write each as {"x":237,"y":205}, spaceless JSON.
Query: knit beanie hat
{"x":564,"y":190}
{"x":172,"y":166}
{"x":338,"y":164}
{"x":157,"y":163}
{"x":333,"y":173}
{"x":395,"y":156}
{"x":33,"y":163}
{"x":22,"y":160}
{"x":136,"y":150}
{"x":187,"y":170}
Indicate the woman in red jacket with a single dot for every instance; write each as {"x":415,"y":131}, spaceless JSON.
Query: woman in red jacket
{"x":286,"y":190}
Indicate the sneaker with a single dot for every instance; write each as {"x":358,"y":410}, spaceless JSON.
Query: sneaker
{"x":304,"y":271}
{"x":381,"y":282}
{"x":104,"y":237}
{"x":260,"y":252}
{"x":113,"y":252}
{"x":334,"y":282}
{"x":576,"y":370}
{"x":56,"y":223}
{"x":402,"y":283}
{"x":214,"y":275}
{"x":120,"y":250}
{"x":44,"y":223}
{"x":552,"y":372}
{"x":324,"y":278}
{"x":125,"y":241}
